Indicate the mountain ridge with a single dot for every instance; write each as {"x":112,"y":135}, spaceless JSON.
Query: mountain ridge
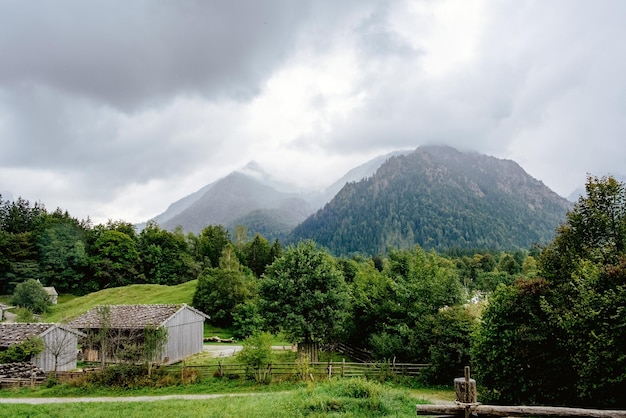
{"x":230,"y":203}
{"x":437,"y":197}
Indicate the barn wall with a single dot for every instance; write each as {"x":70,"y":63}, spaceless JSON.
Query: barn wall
{"x":185,"y":331}
{"x":61,"y":344}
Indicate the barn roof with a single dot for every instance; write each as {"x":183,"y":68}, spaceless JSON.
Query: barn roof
{"x":15,"y":333}
{"x":130,"y":316}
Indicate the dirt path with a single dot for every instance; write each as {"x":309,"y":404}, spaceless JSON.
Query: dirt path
{"x":37,"y":401}
{"x":231,"y":350}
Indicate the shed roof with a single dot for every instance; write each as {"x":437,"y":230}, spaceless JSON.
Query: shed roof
{"x":131,"y":316}
{"x":15,"y":333}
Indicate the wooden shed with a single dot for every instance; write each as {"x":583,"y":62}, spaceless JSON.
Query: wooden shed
{"x":60,"y":343}
{"x":52,"y":294}
{"x":184,"y":325}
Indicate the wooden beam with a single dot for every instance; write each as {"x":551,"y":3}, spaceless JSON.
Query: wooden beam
{"x":458,"y":410}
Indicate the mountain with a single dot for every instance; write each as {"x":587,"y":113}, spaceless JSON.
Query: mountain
{"x":234,"y":197}
{"x":356,"y":174}
{"x":251,"y":197}
{"x":439,"y":198}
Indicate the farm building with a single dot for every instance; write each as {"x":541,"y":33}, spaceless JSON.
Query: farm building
{"x":52,"y":294}
{"x":126,"y":325}
{"x":60,"y":343}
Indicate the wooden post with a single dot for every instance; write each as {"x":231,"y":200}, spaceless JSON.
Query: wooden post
{"x":465,"y":388}
{"x":343,"y":367}
{"x":330,"y":370}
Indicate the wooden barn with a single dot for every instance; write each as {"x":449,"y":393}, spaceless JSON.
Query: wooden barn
{"x":127,"y":323}
{"x":60,"y":343}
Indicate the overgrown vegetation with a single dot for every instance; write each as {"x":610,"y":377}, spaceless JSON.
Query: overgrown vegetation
{"x":560,"y":339}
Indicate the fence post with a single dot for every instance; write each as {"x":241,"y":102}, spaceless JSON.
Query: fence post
{"x":330,"y":370}
{"x":465,"y":389}
{"x":343,"y":367}
{"x":220,"y":368}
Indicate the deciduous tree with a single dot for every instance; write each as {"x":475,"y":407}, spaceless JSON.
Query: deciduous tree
{"x":304,"y":294}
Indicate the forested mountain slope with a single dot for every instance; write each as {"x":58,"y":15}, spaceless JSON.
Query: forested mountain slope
{"x":438,"y":197}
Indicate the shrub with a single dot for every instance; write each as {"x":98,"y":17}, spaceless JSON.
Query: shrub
{"x":23,"y":351}
{"x":31,"y":294}
{"x":256,"y":355}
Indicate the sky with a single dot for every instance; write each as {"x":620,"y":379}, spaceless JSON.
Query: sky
{"x":114,"y":109}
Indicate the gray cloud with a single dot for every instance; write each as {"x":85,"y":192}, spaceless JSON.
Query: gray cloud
{"x":156,"y":99}
{"x":137,"y":53}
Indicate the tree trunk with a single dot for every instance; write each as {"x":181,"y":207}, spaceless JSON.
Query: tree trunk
{"x":310,"y":350}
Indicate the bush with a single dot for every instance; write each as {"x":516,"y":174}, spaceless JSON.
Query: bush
{"x":31,"y":294}
{"x":257,"y":355}
{"x":123,"y":376}
{"x":23,"y":351}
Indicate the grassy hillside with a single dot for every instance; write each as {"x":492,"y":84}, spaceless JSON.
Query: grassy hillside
{"x":67,"y":310}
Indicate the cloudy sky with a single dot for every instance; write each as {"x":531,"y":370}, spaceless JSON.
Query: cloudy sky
{"x":115,"y":109}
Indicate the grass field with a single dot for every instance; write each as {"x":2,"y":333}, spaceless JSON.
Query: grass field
{"x":72,"y":307}
{"x":334,"y":398}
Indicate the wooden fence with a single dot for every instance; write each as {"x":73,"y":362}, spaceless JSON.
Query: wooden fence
{"x":6,"y":383}
{"x":311,"y":370}
{"x":285,"y":370}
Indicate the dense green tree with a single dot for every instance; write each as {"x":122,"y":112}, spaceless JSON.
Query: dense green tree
{"x":220,"y":290}
{"x":395,"y":312}
{"x":115,"y":260}
{"x":509,"y":265}
{"x":165,"y":256}
{"x":247,"y":319}
{"x":514,"y":354}
{"x":19,"y":216}
{"x":304,"y":294}
{"x":586,"y":265}
{"x":62,"y":254}
{"x":589,"y":312}
{"x":258,"y":254}
{"x":595,"y":230}
{"x":18,"y":260}
{"x":276,"y":250}
{"x":371,"y":305}
{"x":211,"y":243}
{"x":31,"y":295}
{"x":561,"y":339}
{"x":124,"y":227}
{"x":452,"y":330}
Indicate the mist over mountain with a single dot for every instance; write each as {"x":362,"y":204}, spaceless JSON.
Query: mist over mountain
{"x":253,"y":198}
{"x":439,"y":198}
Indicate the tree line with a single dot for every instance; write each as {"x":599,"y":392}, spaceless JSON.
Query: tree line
{"x":77,"y":257}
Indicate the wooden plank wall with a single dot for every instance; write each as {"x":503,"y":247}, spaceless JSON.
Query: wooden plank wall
{"x":185,"y":332}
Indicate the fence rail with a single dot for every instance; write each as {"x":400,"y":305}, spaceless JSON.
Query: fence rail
{"x":489,"y":411}
{"x":318,"y":370}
